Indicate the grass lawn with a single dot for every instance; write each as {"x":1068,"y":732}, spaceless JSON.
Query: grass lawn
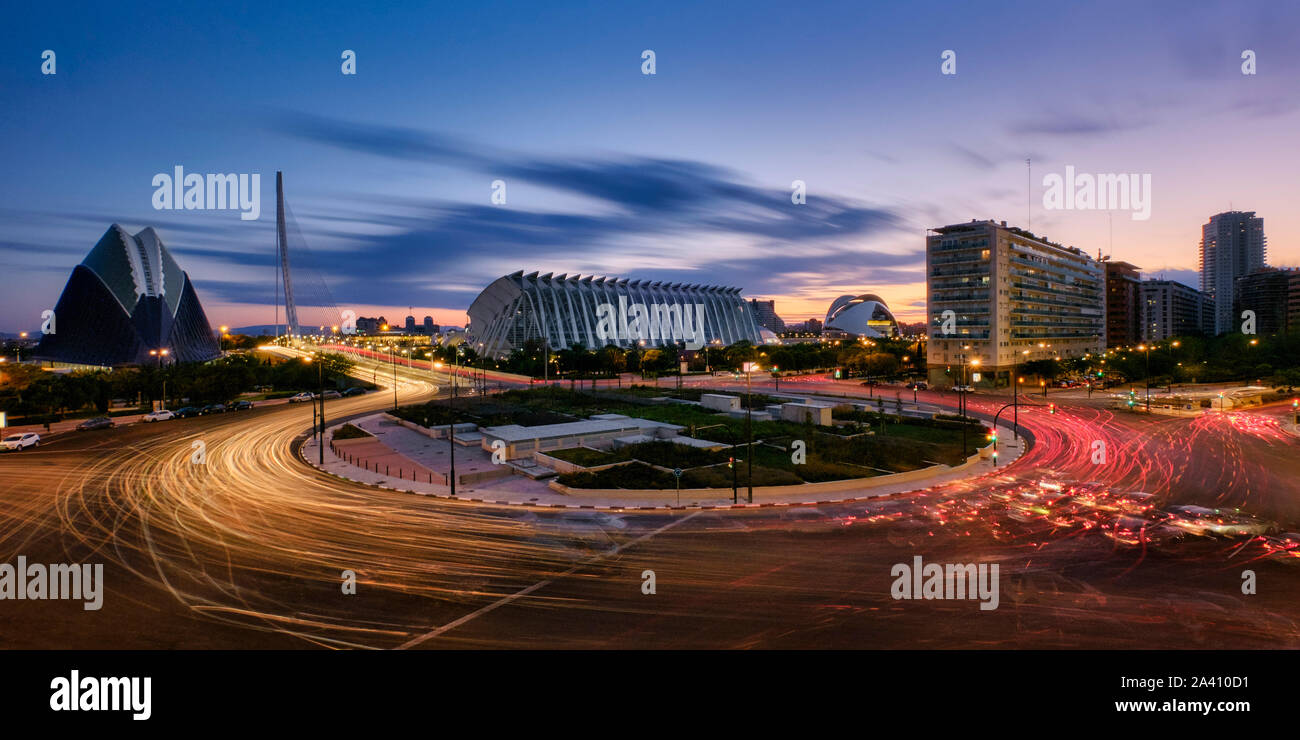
{"x":831,"y":453}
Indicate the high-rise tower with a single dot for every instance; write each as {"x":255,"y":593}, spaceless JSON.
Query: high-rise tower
{"x":1232,"y":246}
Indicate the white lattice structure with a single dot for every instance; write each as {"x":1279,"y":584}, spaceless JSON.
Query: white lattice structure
{"x":563,"y":310}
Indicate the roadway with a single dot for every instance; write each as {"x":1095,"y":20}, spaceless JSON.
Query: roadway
{"x":248,"y":549}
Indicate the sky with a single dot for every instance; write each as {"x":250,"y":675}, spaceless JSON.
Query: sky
{"x":685,"y":174}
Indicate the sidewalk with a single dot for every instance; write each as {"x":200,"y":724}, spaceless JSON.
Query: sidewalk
{"x":412,"y":451}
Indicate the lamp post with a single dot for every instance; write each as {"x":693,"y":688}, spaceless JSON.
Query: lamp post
{"x":22,"y":336}
{"x":1172,"y":346}
{"x":749,"y":368}
{"x":160,"y":354}
{"x":318,"y":420}
{"x":1015,"y":395}
{"x":392,"y":355}
{"x":451,"y":427}
{"x":1146,"y":349}
{"x":975,"y":362}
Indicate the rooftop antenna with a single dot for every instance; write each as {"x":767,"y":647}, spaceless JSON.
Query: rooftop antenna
{"x":1029,"y":194}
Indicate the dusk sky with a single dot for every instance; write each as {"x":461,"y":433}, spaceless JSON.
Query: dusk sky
{"x":681,"y":175}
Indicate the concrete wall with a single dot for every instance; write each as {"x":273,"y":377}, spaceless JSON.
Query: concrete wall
{"x":719,"y":402}
{"x":802,"y":413}
{"x":564,"y":466}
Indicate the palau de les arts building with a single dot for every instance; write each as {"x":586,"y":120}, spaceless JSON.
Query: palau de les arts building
{"x":563,"y":310}
{"x":126,"y":298}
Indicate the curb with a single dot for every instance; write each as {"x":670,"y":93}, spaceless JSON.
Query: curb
{"x":301,"y":443}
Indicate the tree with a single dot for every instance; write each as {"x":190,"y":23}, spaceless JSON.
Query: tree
{"x":880,"y":364}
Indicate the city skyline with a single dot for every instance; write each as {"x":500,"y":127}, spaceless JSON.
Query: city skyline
{"x":652,"y":180}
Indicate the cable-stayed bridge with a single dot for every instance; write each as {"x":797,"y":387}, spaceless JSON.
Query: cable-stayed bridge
{"x":300,"y":288}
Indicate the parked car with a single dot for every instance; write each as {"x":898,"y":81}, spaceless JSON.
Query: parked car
{"x":213,"y":408}
{"x":303,"y":397}
{"x":355,"y":390}
{"x":918,"y":387}
{"x":160,"y":415}
{"x":99,"y":422}
{"x":331,"y":394}
{"x":239,"y":405}
{"x":963,"y":389}
{"x":186,"y":412}
{"x":20,"y":441}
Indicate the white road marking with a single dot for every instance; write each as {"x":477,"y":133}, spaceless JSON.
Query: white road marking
{"x":540,"y":584}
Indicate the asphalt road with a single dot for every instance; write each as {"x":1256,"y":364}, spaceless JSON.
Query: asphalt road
{"x":249,"y":549}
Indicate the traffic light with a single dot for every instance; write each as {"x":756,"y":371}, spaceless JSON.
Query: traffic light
{"x":993,"y":436}
{"x":1051,"y":408}
{"x":731,"y":463}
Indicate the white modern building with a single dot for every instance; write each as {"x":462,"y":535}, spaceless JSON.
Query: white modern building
{"x":862,"y":316}
{"x":563,"y":310}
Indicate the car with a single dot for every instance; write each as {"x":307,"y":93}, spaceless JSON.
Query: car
{"x":239,"y":405}
{"x":1134,"y":531}
{"x":20,"y":441}
{"x":355,"y":390}
{"x":187,"y":411}
{"x":1285,"y":545}
{"x":213,"y":408}
{"x":331,"y":394}
{"x":1203,"y":521}
{"x":303,"y":397}
{"x":963,"y":389}
{"x":918,"y":387}
{"x":159,"y":415}
{"x":99,"y":422}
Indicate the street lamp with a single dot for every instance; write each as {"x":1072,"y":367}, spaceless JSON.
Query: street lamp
{"x":1016,"y":380}
{"x":393,"y":358}
{"x":319,"y":429}
{"x":975,"y":362}
{"x":160,"y":354}
{"x":749,"y":368}
{"x":1146,"y":348}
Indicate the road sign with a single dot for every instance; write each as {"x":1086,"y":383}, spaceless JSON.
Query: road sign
{"x":677,"y":472}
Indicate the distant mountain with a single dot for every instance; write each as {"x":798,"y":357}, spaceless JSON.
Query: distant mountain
{"x":258,"y":330}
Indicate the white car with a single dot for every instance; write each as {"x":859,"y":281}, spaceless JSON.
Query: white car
{"x":21,"y":441}
{"x":303,"y":397}
{"x":160,"y":415}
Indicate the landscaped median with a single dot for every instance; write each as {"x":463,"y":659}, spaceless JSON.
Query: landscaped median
{"x":801,"y":493}
{"x":641,"y":444}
